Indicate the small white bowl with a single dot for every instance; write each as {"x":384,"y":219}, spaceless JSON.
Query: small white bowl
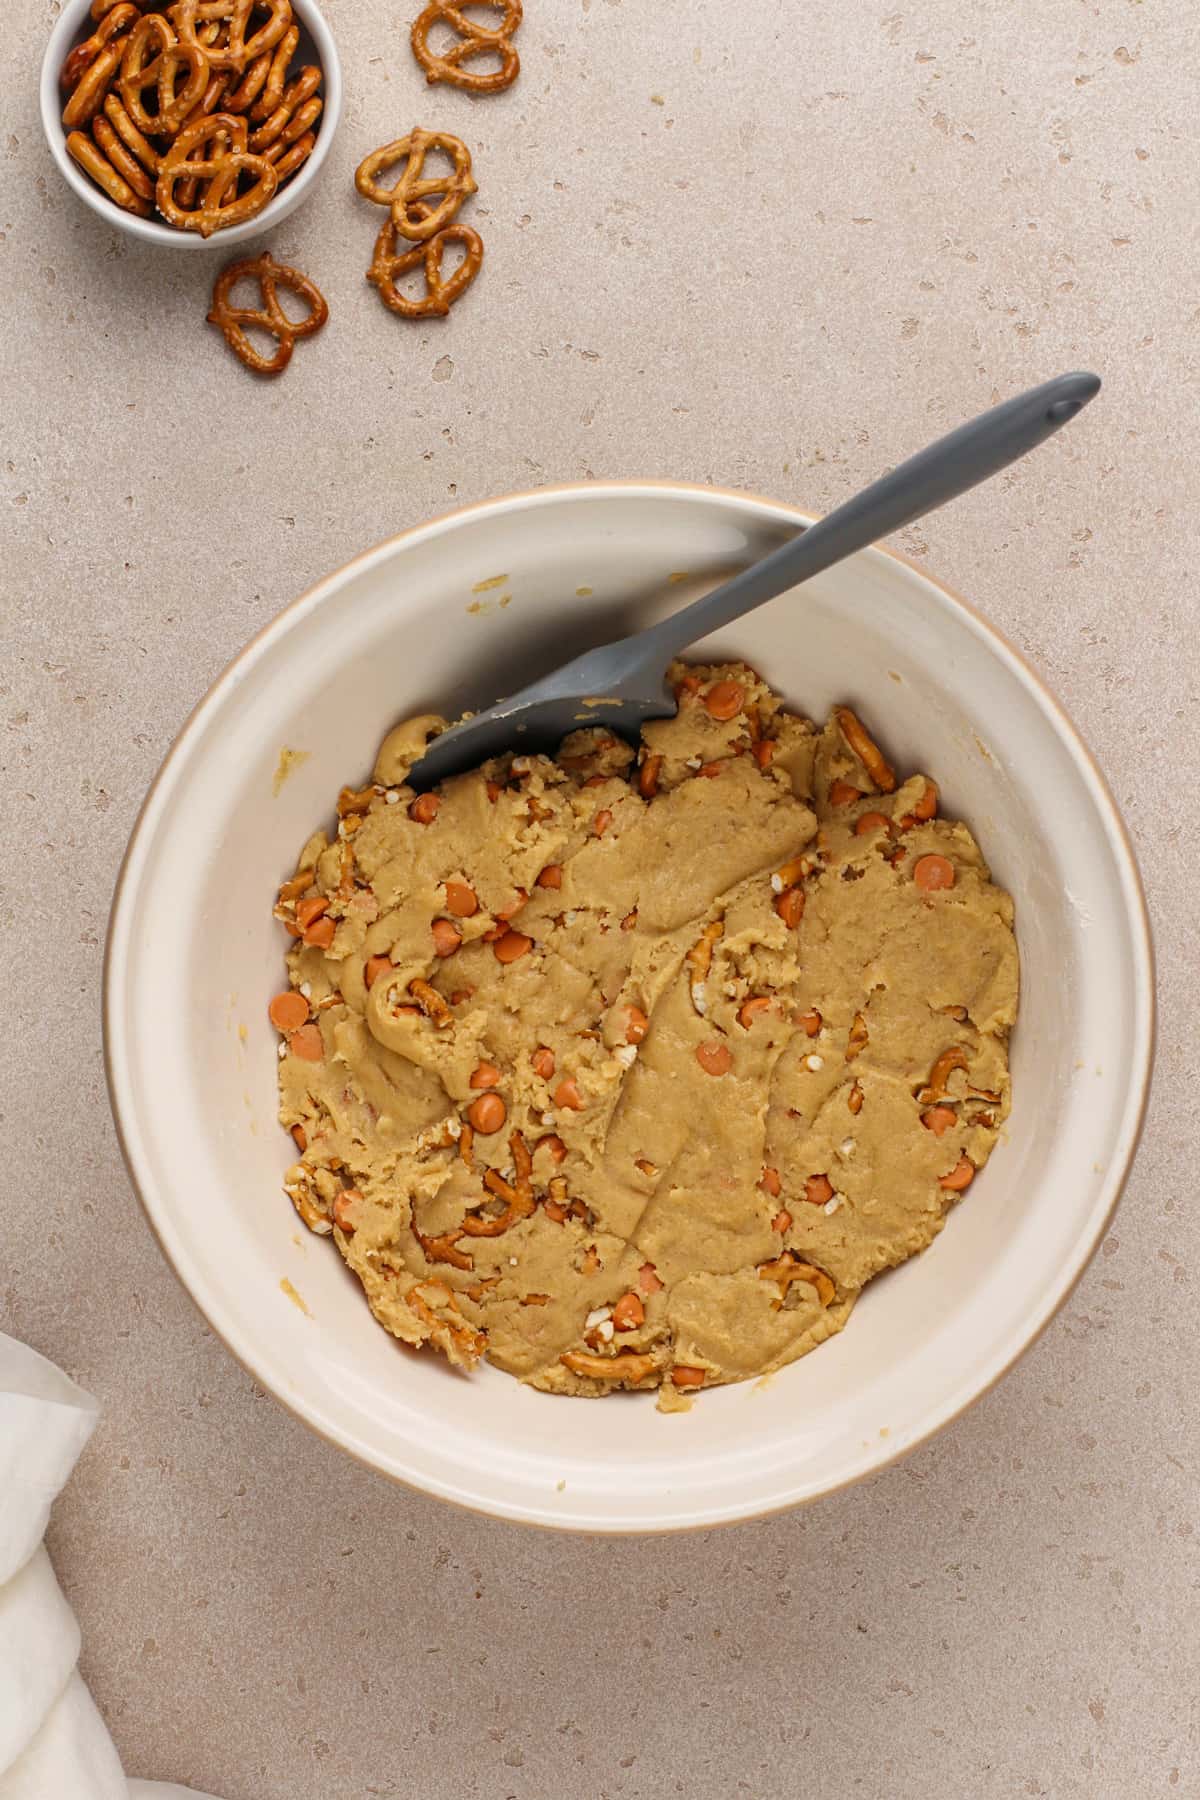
{"x":194,"y":955}
{"x":73,"y":24}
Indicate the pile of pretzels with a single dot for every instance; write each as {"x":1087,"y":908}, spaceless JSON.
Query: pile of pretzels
{"x":191,"y":109}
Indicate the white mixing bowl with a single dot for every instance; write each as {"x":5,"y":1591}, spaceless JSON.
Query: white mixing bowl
{"x":194,"y":956}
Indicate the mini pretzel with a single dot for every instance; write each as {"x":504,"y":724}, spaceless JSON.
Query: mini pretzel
{"x":188,"y":188}
{"x":937,"y":1088}
{"x":214,"y":149}
{"x":84,"y":55}
{"x":517,"y":1195}
{"x":412,"y":220}
{"x":626,"y":1365}
{"x":185,"y":193}
{"x":232,"y":320}
{"x":279,"y":61}
{"x":86,"y":100}
{"x":161,"y":71}
{"x":387,"y":267}
{"x":474,"y":40}
{"x":97,"y":165}
{"x":129,"y":134}
{"x":237,"y":50}
{"x":251,"y":85}
{"x":297,"y":103}
{"x":288,"y":159}
{"x":442,"y":1249}
{"x":127,"y":166}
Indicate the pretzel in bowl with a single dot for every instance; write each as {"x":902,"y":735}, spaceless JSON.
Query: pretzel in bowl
{"x":298,"y":110}
{"x":87,"y":96}
{"x":232,"y":321}
{"x":388,"y":266}
{"x":155,"y":58}
{"x":412,"y":216}
{"x":261,"y":87}
{"x":213,"y":151}
{"x":133,"y":139}
{"x":473,"y":41}
{"x":121,"y":158}
{"x":151,"y":71}
{"x":94,"y":162}
{"x":229,"y":47}
{"x":114,"y":22}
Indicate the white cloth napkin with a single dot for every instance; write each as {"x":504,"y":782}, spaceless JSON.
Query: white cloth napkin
{"x":53,"y":1742}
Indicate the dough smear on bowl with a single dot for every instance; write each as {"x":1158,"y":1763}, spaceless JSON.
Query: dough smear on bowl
{"x":630,"y":1070}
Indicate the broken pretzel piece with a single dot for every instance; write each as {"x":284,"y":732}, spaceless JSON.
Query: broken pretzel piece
{"x":865,"y":748}
{"x":788,"y":1268}
{"x":93,"y":161}
{"x":627,"y":1365}
{"x":517,"y":1194}
{"x":432,"y":1301}
{"x":699,"y":962}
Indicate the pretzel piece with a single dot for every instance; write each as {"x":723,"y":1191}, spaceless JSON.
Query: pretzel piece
{"x":210,"y":100}
{"x":866,"y":749}
{"x":231,"y":321}
{"x":473,"y":40}
{"x":214,"y":149}
{"x":388,"y":266}
{"x":91,"y":159}
{"x":298,"y":100}
{"x":412,"y":219}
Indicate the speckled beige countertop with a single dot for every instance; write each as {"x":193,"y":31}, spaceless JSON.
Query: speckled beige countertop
{"x":776,"y":247}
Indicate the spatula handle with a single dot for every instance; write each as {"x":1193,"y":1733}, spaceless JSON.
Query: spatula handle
{"x":926,"y":481}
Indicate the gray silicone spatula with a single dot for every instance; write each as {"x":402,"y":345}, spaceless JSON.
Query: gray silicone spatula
{"x":622,"y":685}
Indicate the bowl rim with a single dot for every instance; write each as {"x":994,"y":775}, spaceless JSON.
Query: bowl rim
{"x":116,"y":956}
{"x":153,"y":230}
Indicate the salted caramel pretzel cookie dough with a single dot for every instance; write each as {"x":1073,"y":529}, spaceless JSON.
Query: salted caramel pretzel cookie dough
{"x":630,"y":1070}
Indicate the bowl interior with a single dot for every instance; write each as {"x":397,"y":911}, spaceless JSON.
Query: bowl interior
{"x":315,"y":45}
{"x":408,"y":628}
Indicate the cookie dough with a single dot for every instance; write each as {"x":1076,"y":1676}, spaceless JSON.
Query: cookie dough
{"x":629,"y":1070}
